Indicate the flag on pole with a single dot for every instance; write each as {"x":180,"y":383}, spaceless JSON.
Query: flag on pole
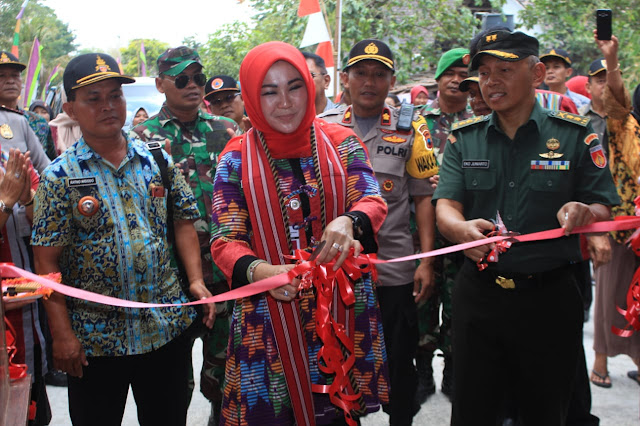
{"x":316,"y":31}
{"x":325,"y":51}
{"x":143,"y":59}
{"x":52,"y":75}
{"x":307,"y":7}
{"x":16,"y":32}
{"x":33,"y":72}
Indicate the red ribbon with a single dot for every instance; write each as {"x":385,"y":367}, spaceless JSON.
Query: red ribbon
{"x":337,"y":355}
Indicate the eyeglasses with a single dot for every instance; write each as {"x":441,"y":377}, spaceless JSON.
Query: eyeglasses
{"x":182,"y":80}
{"x":314,"y":75}
{"x":225,"y":99}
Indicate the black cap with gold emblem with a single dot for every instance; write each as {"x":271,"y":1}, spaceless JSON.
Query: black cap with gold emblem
{"x":557,"y":53}
{"x":371,"y":49}
{"x":6,"y":58}
{"x":506,"y":46}
{"x":90,"y":68}
{"x":597,"y":66}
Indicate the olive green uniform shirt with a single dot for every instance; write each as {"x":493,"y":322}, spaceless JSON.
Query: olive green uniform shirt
{"x":489,"y":173}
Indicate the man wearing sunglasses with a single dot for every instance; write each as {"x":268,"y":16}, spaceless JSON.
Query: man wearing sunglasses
{"x":196,"y":140}
{"x":225,"y":100}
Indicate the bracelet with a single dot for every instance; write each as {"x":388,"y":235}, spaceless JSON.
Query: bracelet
{"x":615,"y":69}
{"x":252,"y":267}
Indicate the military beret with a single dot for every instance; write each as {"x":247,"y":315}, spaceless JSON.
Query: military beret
{"x":557,"y":53}
{"x":458,"y":57}
{"x":597,"y":66}
{"x":7,"y":58}
{"x":506,"y":46}
{"x":91,"y":68}
{"x":371,"y":49}
{"x":220,"y":83}
{"x":173,"y":61}
{"x":464,"y":84}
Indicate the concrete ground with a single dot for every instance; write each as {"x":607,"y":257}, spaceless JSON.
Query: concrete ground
{"x":617,"y":406}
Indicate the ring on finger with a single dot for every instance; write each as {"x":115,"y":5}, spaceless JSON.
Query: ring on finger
{"x":286,"y":293}
{"x":17,"y":175}
{"x":337,"y":246}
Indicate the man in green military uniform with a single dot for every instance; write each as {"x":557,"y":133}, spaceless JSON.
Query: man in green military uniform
{"x":450,"y":106}
{"x":538,"y":169}
{"x":402,"y":159}
{"x":196,"y":140}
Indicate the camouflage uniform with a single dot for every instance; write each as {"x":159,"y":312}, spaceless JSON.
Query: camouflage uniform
{"x":433,"y":333}
{"x":195,"y":149}
{"x":42,"y":130}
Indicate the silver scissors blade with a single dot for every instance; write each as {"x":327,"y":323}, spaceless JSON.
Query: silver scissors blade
{"x":316,"y":251}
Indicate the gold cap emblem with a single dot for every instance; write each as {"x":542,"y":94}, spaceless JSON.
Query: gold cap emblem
{"x":4,"y":57}
{"x":101,"y":65}
{"x":492,"y":37}
{"x":371,"y":49}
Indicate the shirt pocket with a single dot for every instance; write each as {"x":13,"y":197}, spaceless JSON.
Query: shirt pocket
{"x":549,"y":180}
{"x":480,"y":180}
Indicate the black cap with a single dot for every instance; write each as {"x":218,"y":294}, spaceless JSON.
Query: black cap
{"x":464,"y":84}
{"x":506,"y":46}
{"x":557,"y":53}
{"x":91,"y":68}
{"x":173,"y":61}
{"x":220,"y":83}
{"x":371,"y":49}
{"x":7,"y":58}
{"x":597,"y":66}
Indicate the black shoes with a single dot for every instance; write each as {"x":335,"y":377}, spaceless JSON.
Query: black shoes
{"x":56,"y":378}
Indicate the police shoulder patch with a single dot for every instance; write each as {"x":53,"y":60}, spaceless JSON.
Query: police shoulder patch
{"x":571,"y":118}
{"x":469,"y":121}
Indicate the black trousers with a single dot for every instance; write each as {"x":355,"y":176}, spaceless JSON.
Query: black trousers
{"x":523,"y":341}
{"x":400,"y":326}
{"x":159,"y":381}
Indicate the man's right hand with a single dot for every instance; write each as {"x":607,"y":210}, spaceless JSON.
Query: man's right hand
{"x":68,"y":355}
{"x":473,"y":230}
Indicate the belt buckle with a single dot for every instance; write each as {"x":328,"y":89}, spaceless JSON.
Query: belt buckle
{"x":506,"y":283}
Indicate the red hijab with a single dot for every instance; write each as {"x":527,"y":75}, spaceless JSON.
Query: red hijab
{"x":416,"y":90}
{"x":252,"y":72}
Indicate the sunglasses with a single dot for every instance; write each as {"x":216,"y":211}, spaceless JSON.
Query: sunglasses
{"x":223,"y":100}
{"x":182,"y":80}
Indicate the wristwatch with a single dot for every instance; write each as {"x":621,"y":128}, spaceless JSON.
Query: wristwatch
{"x":357,"y":224}
{"x":5,"y":208}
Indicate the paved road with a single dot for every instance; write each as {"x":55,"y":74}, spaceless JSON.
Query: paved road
{"x":617,"y":406}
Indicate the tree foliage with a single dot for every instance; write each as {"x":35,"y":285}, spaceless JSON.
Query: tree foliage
{"x":38,"y":21}
{"x":570,"y":25}
{"x":130,"y":56}
{"x":417,"y":31}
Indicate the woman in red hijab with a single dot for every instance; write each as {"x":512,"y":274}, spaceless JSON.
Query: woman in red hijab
{"x":289,"y":183}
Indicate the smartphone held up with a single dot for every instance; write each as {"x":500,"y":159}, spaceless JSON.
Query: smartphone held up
{"x":603,"y":24}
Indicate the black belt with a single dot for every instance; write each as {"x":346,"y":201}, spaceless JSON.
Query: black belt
{"x":523,"y":281}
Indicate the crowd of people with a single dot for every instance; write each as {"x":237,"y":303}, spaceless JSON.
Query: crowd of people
{"x":231,"y":178}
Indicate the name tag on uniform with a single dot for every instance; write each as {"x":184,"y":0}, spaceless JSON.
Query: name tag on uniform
{"x":549,"y":165}
{"x":475,"y":164}
{"x":88,"y":181}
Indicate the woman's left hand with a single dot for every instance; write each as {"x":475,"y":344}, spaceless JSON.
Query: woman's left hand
{"x":338,"y":237}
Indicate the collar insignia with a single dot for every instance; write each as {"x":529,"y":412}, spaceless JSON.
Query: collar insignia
{"x":346,"y":118}
{"x":385,"y":118}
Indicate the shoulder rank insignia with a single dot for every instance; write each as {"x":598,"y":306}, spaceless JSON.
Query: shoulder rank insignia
{"x":469,"y":121}
{"x":347,"y":117}
{"x":571,"y":118}
{"x":393,"y":139}
{"x":385,"y":118}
